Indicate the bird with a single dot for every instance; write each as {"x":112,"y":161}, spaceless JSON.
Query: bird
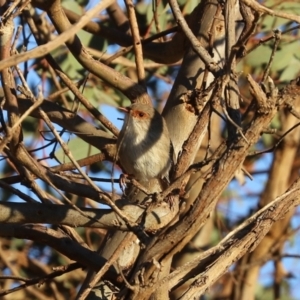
{"x":144,"y":145}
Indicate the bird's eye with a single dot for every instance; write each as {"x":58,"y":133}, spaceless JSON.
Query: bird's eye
{"x":141,"y":114}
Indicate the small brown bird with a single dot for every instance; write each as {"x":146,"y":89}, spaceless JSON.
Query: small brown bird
{"x":144,"y":144}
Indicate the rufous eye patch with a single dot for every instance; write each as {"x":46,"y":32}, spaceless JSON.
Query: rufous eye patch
{"x":139,"y":114}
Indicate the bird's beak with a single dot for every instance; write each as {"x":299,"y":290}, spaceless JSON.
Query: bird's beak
{"x":124,"y":109}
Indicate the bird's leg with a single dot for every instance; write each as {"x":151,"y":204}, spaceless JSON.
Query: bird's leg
{"x":122,"y":182}
{"x":126,"y":178}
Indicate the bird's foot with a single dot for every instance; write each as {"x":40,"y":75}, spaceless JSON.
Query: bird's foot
{"x":123,"y":182}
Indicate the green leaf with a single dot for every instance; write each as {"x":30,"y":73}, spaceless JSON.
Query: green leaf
{"x":258,"y":57}
{"x":285,"y":55}
{"x":291,"y":71}
{"x":73,"y":6}
{"x":79,"y":149}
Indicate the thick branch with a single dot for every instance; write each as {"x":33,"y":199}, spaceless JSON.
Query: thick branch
{"x":22,"y":213}
{"x":132,"y":90}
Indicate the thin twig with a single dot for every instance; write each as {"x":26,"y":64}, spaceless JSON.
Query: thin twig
{"x":84,"y":175}
{"x":254,"y":153}
{"x":202,"y":52}
{"x":277,"y":36}
{"x":262,"y":9}
{"x":137,"y":45}
{"x":38,"y":280}
{"x":16,"y":192}
{"x":70,"y":156}
{"x":144,"y":42}
{"x":93,"y":110}
{"x":16,"y":38}
{"x":59,"y":40}
{"x":269,"y":38}
{"x":82,"y":163}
